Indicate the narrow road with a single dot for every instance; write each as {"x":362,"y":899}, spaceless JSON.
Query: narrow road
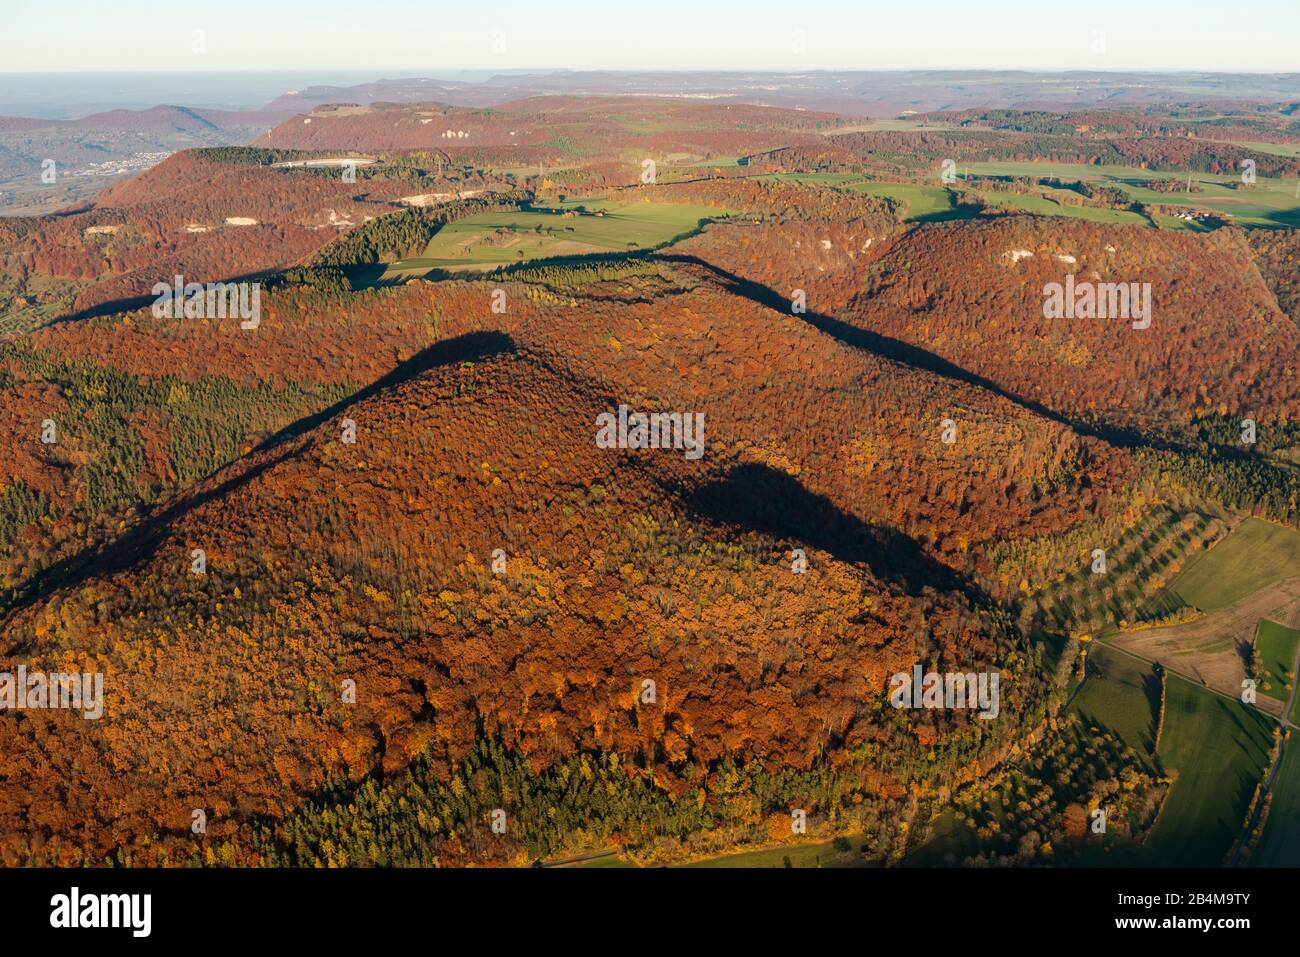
{"x":1285,"y":720}
{"x":594,"y":856}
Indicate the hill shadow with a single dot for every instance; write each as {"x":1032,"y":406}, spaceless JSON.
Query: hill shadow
{"x":949,"y":215}
{"x":267,"y":277}
{"x":1284,"y":218}
{"x":470,"y":347}
{"x":905,"y":353}
{"x":143,"y":539}
{"x":762,"y":499}
{"x":856,"y":337}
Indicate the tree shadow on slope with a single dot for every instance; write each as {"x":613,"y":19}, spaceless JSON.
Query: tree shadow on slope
{"x":133,"y":303}
{"x":762,"y":499}
{"x":143,"y":539}
{"x":905,"y":353}
{"x":470,"y":347}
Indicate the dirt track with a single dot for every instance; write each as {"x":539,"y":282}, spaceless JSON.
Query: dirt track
{"x":1214,"y":648}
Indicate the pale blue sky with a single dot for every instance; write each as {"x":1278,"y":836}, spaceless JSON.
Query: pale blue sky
{"x":402,"y":36}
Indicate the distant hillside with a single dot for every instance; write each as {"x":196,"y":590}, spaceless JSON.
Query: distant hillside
{"x":97,"y":150}
{"x":208,"y":216}
{"x":973,"y":294}
{"x":565,"y":128}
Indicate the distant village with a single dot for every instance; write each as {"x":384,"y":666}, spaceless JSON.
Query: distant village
{"x":135,"y":163}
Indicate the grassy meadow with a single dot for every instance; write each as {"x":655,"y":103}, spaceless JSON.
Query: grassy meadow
{"x":1254,"y":554}
{"x":576,"y":228}
{"x":1270,"y":202}
{"x":1045,"y":206}
{"x":1216,"y":749}
{"x":1220,"y":750}
{"x":1279,"y":846}
{"x":1276,"y":645}
{"x":1122,"y":693}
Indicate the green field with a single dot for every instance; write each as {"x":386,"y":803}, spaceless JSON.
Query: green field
{"x":1044,"y":206}
{"x":1254,"y":554}
{"x":1270,"y":202}
{"x":591,"y":226}
{"x":1273,"y":149}
{"x":1277,"y":647}
{"x":1280,"y":844}
{"x":1220,"y":749}
{"x":925,"y":204}
{"x":1122,"y":693}
{"x":937,"y":203}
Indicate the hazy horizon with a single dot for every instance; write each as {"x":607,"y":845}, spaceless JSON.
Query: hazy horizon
{"x":674,"y":35}
{"x":76,"y":93}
